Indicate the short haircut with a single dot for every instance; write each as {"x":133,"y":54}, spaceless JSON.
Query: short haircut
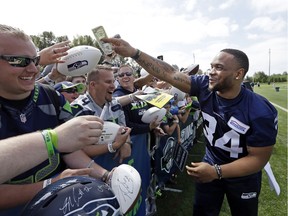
{"x":70,"y":78}
{"x":14,"y":32}
{"x":240,"y":57}
{"x":93,"y":75}
{"x":126,"y":65}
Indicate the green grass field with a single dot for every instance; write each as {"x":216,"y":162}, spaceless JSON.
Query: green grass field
{"x":174,"y":203}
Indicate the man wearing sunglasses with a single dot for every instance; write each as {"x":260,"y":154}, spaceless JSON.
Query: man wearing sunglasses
{"x":27,"y":107}
{"x":140,"y":131}
{"x":70,"y":90}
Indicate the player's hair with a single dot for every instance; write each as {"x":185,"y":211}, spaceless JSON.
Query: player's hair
{"x":240,"y":57}
{"x":15,"y":32}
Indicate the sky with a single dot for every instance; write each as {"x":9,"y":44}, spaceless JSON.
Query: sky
{"x":184,"y":31}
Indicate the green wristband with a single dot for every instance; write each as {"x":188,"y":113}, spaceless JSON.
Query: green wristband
{"x":54,"y":138}
{"x":48,"y":143}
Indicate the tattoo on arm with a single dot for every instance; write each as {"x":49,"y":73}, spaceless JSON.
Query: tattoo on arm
{"x":181,"y":80}
{"x":158,"y":68}
{"x":164,"y":71}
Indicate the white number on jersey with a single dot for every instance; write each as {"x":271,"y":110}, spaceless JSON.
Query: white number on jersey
{"x":209,"y":130}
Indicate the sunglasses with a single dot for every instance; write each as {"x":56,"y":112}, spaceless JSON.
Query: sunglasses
{"x":20,"y":61}
{"x":125,"y":73}
{"x":70,"y":90}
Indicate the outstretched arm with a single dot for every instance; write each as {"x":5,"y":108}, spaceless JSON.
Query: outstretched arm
{"x":154,"y":66}
{"x":52,"y":54}
{"x":16,"y":156}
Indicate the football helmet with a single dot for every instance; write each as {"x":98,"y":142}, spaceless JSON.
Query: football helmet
{"x":77,"y":195}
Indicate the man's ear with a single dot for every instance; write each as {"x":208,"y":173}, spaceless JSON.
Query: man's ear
{"x":91,"y":83}
{"x":240,"y":74}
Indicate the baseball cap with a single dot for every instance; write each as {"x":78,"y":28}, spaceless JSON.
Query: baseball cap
{"x":67,"y":85}
{"x":181,"y":103}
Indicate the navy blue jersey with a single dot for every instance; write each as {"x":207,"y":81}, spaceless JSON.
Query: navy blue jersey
{"x":37,"y":112}
{"x":167,"y":120}
{"x":134,"y":112}
{"x":231,"y":125}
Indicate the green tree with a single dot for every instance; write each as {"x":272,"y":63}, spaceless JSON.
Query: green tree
{"x":84,"y":40}
{"x":62,"y":38}
{"x":248,"y":78}
{"x":260,"y":77}
{"x":37,"y":41}
{"x":44,"y":40}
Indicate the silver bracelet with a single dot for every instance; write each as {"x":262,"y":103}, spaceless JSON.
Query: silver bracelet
{"x":218,"y":171}
{"x":90,"y":164}
{"x":47,"y":182}
{"x":110,"y":148}
{"x":131,"y":97}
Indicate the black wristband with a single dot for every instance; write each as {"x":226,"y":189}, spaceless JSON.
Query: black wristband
{"x":137,"y":55}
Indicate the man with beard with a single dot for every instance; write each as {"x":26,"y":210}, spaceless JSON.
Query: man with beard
{"x":240,"y":128}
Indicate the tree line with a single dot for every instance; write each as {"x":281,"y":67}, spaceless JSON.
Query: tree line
{"x":261,"y":77}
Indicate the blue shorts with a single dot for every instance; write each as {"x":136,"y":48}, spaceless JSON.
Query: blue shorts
{"x":241,"y":193}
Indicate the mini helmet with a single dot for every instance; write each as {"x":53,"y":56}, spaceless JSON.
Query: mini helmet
{"x":77,"y":195}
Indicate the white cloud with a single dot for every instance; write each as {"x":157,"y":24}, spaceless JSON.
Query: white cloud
{"x":190,"y":4}
{"x":258,"y":54}
{"x":226,"y":4}
{"x":267,"y":24}
{"x":253,"y":36}
{"x":269,"y":6}
{"x":210,"y":8}
{"x":219,"y":27}
{"x":176,"y":29}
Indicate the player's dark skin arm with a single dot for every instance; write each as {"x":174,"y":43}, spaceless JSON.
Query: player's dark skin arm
{"x":153,"y":66}
{"x":165,"y":72}
{"x":255,"y":161}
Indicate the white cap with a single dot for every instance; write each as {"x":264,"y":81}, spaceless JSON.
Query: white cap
{"x":177,"y":93}
{"x":181,"y":103}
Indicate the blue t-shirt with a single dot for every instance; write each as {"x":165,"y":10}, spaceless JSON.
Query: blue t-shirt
{"x":230,"y":125}
{"x":36,"y":112}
